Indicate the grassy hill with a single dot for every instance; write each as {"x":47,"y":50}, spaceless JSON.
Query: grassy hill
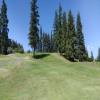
{"x":49,"y":77}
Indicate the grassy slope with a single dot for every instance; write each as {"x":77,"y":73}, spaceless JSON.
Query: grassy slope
{"x":49,"y":78}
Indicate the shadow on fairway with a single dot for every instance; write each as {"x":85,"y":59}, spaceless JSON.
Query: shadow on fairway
{"x":41,"y":56}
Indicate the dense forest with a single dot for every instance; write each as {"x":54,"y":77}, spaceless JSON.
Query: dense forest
{"x":67,"y":37}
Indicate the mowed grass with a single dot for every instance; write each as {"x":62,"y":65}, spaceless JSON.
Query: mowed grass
{"x":49,"y":78}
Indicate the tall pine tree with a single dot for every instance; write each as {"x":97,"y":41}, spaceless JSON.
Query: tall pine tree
{"x":4,"y":28}
{"x":98,"y":57}
{"x":82,"y":52}
{"x":55,"y":32}
{"x":51,"y":42}
{"x":0,"y":32}
{"x":34,"y":22}
{"x":92,"y":57}
{"x":71,"y":36}
{"x":60,"y":29}
{"x":41,"y":40}
{"x":64,"y":32}
{"x":46,"y":42}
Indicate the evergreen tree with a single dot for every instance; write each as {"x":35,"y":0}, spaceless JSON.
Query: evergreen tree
{"x":55,"y":32}
{"x":82,"y":52}
{"x":4,"y":28}
{"x":41,"y":40}
{"x":51,"y":43}
{"x":64,"y":33}
{"x":0,"y":32}
{"x":60,"y":29}
{"x":92,"y":57}
{"x":71,"y":38}
{"x":14,"y":47}
{"x":33,"y":34}
{"x":98,"y":58}
{"x":46,"y":42}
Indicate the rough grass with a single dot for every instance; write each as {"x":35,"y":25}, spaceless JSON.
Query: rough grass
{"x":49,"y":77}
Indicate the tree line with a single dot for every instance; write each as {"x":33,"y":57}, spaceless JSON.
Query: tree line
{"x":67,"y":37}
{"x":45,"y":43}
{"x":7,"y":45}
{"x":14,"y":47}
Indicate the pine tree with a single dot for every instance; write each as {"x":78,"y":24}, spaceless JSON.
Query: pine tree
{"x":46,"y":42}
{"x":92,"y":57}
{"x":98,"y":58}
{"x":82,"y":52}
{"x":71,"y":38}
{"x":41,"y":40}
{"x":64,"y":32}
{"x":14,"y":47}
{"x":33,"y":34}
{"x":55,"y":32}
{"x":51,"y":43}
{"x":60,"y":29}
{"x":0,"y":32}
{"x":4,"y":28}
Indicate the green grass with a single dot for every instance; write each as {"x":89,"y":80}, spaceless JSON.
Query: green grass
{"x":49,"y":78}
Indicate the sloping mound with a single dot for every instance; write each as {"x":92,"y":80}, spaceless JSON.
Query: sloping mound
{"x":58,"y":56}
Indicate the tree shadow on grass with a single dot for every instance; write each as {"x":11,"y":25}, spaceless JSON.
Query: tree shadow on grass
{"x":41,"y":56}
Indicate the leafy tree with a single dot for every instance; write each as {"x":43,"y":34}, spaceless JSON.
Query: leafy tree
{"x":4,"y":28}
{"x":82,"y":52}
{"x":33,"y":34}
{"x":98,"y":58}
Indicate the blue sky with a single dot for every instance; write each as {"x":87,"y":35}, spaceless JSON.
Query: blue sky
{"x":19,"y":17}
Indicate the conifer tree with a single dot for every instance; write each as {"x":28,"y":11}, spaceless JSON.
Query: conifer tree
{"x":55,"y":32}
{"x":92,"y":57}
{"x":14,"y":47}
{"x":64,"y":32}
{"x":34,"y":22}
{"x":98,"y":57}
{"x":0,"y":32}
{"x":82,"y":52}
{"x":41,"y":40}
{"x":4,"y":28}
{"x":60,"y":29}
{"x":71,"y":38}
{"x":51,"y":42}
{"x":46,"y":42}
